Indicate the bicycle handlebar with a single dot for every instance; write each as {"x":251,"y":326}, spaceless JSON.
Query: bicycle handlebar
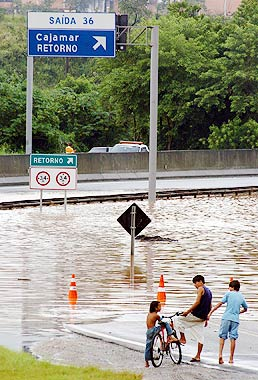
{"x":174,"y":315}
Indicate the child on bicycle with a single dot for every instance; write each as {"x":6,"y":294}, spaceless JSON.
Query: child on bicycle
{"x":152,"y":318}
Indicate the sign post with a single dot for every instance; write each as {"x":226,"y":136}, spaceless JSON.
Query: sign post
{"x":133,"y":214}
{"x":133,"y":220}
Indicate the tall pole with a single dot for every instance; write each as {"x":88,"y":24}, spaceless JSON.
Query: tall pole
{"x":29,"y":96}
{"x":153,"y":114}
{"x":225,"y":8}
{"x":133,"y":216}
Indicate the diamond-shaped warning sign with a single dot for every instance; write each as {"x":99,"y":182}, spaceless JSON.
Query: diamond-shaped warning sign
{"x":141,"y":219}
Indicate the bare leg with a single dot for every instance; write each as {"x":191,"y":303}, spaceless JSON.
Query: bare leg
{"x":182,"y":338}
{"x":221,"y":346}
{"x":199,"y":351}
{"x":197,"y":357}
{"x":147,"y":364}
{"x":232,"y":350}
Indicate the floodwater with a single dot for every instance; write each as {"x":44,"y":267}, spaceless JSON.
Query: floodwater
{"x":216,"y":237}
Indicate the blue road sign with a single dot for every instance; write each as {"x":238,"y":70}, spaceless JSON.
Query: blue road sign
{"x":71,"y":34}
{"x":71,"y":43}
{"x":54,"y":160}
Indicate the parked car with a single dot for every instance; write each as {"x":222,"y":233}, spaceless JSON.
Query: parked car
{"x":129,"y":147}
{"x":100,"y":149}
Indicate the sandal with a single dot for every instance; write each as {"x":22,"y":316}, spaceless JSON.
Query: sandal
{"x":194,"y":360}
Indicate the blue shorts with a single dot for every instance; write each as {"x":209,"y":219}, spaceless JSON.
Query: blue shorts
{"x":228,"y":329}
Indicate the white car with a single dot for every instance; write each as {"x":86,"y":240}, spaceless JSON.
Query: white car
{"x":129,"y":147}
{"x":99,"y":149}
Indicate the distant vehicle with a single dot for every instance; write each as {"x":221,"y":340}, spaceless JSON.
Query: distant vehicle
{"x":129,"y":147}
{"x":100,"y":149}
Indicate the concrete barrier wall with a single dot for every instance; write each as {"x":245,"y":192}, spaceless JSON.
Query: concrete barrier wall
{"x":14,"y":165}
{"x":91,"y":163}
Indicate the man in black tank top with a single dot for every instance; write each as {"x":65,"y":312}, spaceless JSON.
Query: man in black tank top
{"x":195,"y":317}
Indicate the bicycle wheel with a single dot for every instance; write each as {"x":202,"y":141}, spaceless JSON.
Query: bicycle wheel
{"x":156,"y":350}
{"x":175,"y":352}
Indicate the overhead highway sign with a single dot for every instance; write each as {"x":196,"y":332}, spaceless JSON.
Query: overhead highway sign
{"x":71,"y":34}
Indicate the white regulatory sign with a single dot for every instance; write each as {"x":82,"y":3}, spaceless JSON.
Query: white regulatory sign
{"x":53,"y":178}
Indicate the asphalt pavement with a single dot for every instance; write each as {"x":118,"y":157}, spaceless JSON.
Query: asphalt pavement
{"x":129,"y":331}
{"x":123,"y":176}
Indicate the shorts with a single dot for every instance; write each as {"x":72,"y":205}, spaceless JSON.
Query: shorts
{"x":228,"y":329}
{"x":194,"y":324}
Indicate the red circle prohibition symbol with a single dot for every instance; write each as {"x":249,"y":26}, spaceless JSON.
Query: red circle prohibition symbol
{"x":43,"y":178}
{"x":63,"y":178}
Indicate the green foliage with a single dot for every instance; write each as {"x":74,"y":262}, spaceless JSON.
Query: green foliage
{"x":12,"y":111}
{"x":13,"y":44}
{"x":247,"y":12}
{"x":21,"y":366}
{"x":234,"y":135}
{"x":184,"y":9}
{"x":125,"y":91}
{"x":136,"y":9}
{"x":81,"y":114}
{"x":207,"y":77}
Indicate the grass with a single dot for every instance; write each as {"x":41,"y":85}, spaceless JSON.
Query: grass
{"x":22,"y":366}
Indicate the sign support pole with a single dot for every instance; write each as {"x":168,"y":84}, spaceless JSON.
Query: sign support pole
{"x":41,"y":200}
{"x":153,"y":114}
{"x":65,"y":200}
{"x":133,"y":215}
{"x":29,"y":101}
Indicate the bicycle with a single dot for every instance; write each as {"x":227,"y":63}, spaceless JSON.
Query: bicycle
{"x":160,"y":346}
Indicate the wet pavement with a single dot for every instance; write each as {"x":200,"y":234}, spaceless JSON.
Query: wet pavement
{"x":39,"y":252}
{"x":129,"y":331}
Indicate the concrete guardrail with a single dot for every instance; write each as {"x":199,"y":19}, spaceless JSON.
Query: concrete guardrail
{"x":98,"y":163}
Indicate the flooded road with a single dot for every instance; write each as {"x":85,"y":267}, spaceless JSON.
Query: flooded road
{"x":216,"y":237}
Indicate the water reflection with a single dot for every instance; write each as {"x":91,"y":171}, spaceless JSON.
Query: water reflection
{"x":216,"y":237}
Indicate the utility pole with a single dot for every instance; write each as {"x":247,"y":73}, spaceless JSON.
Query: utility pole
{"x":225,"y":8}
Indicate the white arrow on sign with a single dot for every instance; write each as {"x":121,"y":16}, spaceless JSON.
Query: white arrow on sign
{"x":101,"y":41}
{"x":70,"y":160}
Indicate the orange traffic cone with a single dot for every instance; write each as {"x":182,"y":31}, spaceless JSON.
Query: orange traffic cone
{"x":72,"y":295}
{"x":161,"y":296}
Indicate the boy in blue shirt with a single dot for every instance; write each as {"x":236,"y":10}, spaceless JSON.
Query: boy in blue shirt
{"x":236,"y":305}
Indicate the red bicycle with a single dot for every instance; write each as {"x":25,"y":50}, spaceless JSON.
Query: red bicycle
{"x":160,"y":346}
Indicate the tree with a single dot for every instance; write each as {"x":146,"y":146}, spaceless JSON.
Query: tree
{"x":12,"y":111}
{"x":207,"y":86}
{"x":81,"y":114}
{"x":235,"y":79}
{"x":13,"y":45}
{"x":184,"y":9}
{"x":136,"y":9}
{"x":235,"y":134}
